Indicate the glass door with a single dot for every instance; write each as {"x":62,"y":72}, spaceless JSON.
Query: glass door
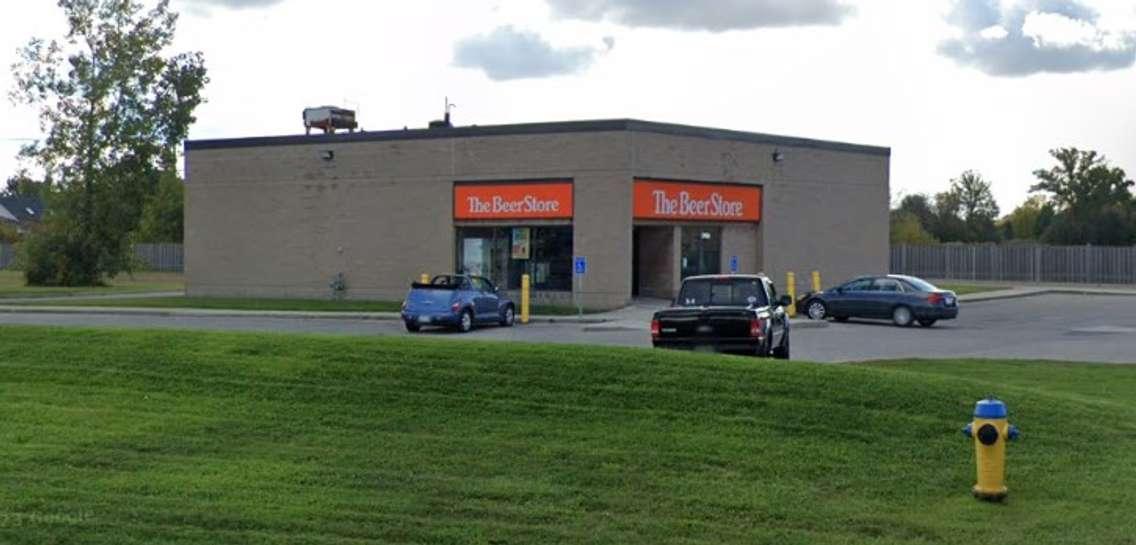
{"x":701,"y":250}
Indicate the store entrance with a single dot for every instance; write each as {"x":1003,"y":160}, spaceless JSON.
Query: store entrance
{"x":653,"y":261}
{"x":701,"y":250}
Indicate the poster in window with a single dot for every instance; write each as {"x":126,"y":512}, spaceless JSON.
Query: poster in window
{"x":521,"y":239}
{"x":473,"y":258}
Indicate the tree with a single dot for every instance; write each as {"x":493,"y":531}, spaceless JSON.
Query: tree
{"x":948,"y":225}
{"x":23,"y":185}
{"x":918,"y":205}
{"x":1094,"y":203}
{"x":907,"y":229}
{"x":1083,"y":182}
{"x":1029,"y":220}
{"x":976,"y":204}
{"x":114,"y":110}
{"x":974,"y":196}
{"x":163,"y":214}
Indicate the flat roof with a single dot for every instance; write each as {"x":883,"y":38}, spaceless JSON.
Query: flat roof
{"x":601,"y":125}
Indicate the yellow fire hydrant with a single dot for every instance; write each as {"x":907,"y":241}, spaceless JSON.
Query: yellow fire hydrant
{"x":990,"y":431}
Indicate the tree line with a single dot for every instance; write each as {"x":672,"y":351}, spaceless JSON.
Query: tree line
{"x":114,"y":106}
{"x":1082,"y":199}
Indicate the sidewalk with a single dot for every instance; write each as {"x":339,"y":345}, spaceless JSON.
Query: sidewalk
{"x":1032,"y":290}
{"x":293,"y":314}
{"x":634,"y":317}
{"x":82,"y":297}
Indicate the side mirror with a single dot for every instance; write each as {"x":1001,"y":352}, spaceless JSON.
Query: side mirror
{"x":785,"y":301}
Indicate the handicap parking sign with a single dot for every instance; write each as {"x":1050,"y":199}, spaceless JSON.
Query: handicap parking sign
{"x":733,"y":264}
{"x":580,"y":264}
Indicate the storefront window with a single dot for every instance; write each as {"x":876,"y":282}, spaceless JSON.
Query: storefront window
{"x":701,"y":250}
{"x":503,"y":254}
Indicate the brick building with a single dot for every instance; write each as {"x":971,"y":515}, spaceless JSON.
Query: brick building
{"x":645,"y":203}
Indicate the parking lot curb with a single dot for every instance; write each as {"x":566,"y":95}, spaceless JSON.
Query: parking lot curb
{"x":1018,"y":294}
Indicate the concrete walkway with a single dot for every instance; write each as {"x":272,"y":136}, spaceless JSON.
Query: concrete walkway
{"x":1035,"y":290}
{"x":634,"y":317}
{"x":83,"y":297}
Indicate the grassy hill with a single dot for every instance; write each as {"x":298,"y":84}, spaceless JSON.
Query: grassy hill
{"x":185,"y":437}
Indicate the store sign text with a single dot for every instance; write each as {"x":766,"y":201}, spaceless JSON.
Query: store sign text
{"x":696,"y":201}
{"x":538,"y":200}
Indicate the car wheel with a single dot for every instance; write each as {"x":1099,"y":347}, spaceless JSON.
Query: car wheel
{"x":782,"y":352}
{"x":412,"y":327}
{"x":466,"y":323}
{"x":508,"y":317}
{"x":927,"y":323}
{"x":817,"y":310}
{"x":901,"y":316}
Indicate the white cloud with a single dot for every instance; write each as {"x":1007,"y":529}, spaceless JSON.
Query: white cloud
{"x":507,"y":53}
{"x":1060,"y":36}
{"x":720,"y":16}
{"x":234,"y":4}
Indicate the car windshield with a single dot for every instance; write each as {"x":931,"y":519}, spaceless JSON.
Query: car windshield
{"x":920,"y":284}
{"x":729,"y":292}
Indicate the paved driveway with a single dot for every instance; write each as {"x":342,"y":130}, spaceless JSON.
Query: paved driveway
{"x":1063,"y":327}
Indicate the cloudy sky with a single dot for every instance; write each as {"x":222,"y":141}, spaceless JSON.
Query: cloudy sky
{"x":949,"y":86}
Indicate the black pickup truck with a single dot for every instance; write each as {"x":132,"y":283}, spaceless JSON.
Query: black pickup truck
{"x":725,"y":313}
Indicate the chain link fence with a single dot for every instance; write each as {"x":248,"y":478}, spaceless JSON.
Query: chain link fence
{"x":1018,"y":262}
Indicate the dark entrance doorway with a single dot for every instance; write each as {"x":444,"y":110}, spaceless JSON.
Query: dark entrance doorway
{"x":701,"y":250}
{"x":653,"y":261}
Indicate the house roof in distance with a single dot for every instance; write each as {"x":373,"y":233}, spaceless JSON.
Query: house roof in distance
{"x":21,"y":209}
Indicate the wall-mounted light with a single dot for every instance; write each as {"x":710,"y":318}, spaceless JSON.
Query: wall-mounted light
{"x":778,"y":156}
{"x":327,"y":155}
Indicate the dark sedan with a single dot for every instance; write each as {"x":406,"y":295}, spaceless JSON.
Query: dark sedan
{"x":901,"y":299}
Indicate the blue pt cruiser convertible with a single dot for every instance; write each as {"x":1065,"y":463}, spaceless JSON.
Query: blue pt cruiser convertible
{"x":459,"y":301}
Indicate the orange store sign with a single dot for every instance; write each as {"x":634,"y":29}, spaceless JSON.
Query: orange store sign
{"x":660,"y":200}
{"x":530,"y":200}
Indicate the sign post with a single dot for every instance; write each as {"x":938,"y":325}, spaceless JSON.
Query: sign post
{"x":580,"y":268}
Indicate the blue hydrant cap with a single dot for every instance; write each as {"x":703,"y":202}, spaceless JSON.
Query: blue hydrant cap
{"x":990,"y":408}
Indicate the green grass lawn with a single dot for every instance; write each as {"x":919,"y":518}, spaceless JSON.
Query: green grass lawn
{"x":966,"y":289}
{"x":114,"y":436}
{"x":12,"y":285}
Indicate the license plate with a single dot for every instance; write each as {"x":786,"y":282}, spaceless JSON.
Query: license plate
{"x":424,"y":319}
{"x":705,"y":329}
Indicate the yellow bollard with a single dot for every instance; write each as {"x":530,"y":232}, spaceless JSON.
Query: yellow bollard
{"x":424,"y":279}
{"x":524,"y":298}
{"x":990,"y":432}
{"x":791,"y":288}
{"x":816,"y":282}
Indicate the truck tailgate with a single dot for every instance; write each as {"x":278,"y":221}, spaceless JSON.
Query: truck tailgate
{"x":708,"y":322}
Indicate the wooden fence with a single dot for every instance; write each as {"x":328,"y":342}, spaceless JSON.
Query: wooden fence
{"x":7,"y":255}
{"x":153,"y":257}
{"x":1018,"y":262}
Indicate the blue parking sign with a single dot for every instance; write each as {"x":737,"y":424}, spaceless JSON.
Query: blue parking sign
{"x":580,"y":264}
{"x":734,"y":264}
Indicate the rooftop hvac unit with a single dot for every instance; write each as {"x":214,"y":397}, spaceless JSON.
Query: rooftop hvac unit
{"x":329,"y":118}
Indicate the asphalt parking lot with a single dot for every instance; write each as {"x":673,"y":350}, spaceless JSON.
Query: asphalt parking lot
{"x":1054,"y":327}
